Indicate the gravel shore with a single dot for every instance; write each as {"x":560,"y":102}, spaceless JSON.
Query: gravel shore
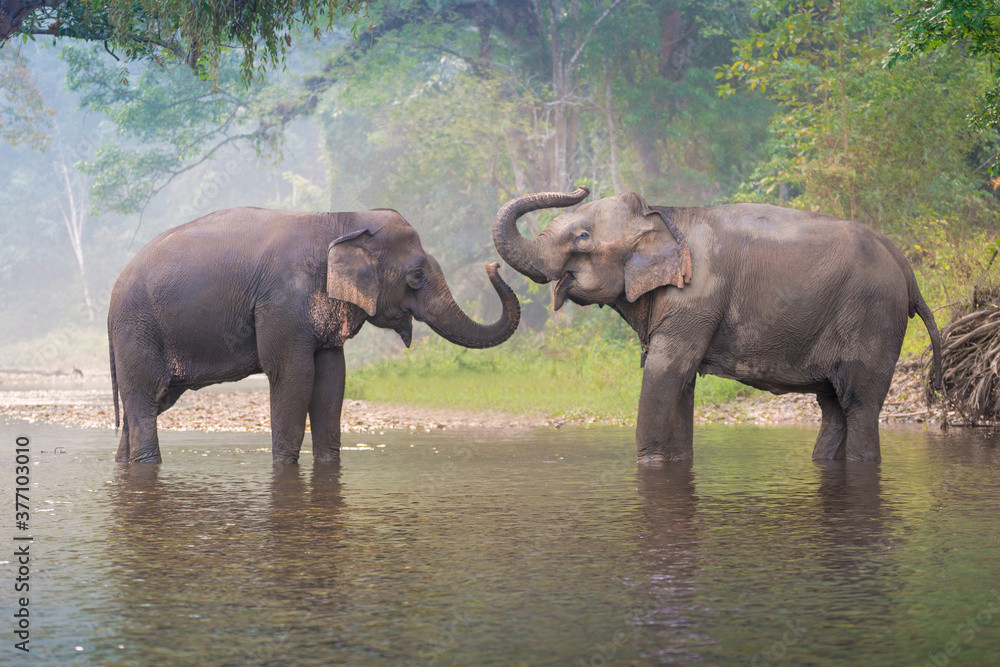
{"x":65,"y":401}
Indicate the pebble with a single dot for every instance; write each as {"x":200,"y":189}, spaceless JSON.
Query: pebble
{"x":249,"y":411}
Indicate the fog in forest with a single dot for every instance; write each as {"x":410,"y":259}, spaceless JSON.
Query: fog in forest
{"x":444,"y":114}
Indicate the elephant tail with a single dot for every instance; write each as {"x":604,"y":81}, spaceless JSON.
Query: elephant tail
{"x":920,"y":306}
{"x":114,"y":382}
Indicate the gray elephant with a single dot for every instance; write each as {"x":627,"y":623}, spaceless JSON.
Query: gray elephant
{"x":246,"y":290}
{"x":779,"y":299}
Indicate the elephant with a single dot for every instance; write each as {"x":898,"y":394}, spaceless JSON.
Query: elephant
{"x":779,"y":299}
{"x":249,"y":290}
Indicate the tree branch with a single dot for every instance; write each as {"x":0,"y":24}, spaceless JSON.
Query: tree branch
{"x":13,"y":13}
{"x":590,"y":33}
{"x":471,"y":62}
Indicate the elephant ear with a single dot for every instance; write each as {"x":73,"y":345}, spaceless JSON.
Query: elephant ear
{"x":661,"y":255}
{"x":350,"y":272}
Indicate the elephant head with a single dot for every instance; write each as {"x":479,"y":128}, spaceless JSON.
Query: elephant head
{"x":381,"y":267}
{"x":609,"y":248}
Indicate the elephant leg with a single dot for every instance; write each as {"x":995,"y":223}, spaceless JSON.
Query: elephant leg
{"x":832,"y":436}
{"x":326,"y":404}
{"x":290,"y":375}
{"x":122,"y":455}
{"x":143,"y":382}
{"x":861,"y":398}
{"x":665,"y":425}
{"x":143,"y":441}
{"x":862,"y":442}
{"x":168,"y":399}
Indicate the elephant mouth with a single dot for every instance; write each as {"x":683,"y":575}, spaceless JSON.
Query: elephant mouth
{"x":405,"y":329}
{"x":562,"y":288}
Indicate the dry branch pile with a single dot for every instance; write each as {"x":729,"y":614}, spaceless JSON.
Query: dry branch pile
{"x":970,"y":359}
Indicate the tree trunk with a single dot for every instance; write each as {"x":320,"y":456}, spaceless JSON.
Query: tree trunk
{"x":75,"y":219}
{"x":616,"y":177}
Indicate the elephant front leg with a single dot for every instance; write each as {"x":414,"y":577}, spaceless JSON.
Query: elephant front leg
{"x":665,"y":426}
{"x":291,"y":381}
{"x":326,"y":404}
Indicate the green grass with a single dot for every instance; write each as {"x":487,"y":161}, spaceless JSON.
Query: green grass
{"x":566,"y":373}
{"x":947,"y":265}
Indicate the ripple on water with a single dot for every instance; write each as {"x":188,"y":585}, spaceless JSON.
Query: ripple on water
{"x":537,"y":546}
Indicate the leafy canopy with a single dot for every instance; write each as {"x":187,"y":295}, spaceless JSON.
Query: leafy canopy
{"x":168,"y":121}
{"x":974,"y":24}
{"x":851,"y":138}
{"x":24,"y":117}
{"x":197,"y":33}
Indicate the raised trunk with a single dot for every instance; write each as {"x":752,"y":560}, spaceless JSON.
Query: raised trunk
{"x":519,"y":252}
{"x":443,"y":315}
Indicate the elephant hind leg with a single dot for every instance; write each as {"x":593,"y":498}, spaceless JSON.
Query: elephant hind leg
{"x":122,"y":455}
{"x":861,"y":396}
{"x":168,"y":399}
{"x":140,"y":418}
{"x":832,"y":439}
{"x":862,"y":442}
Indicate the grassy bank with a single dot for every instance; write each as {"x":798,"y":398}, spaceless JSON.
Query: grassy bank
{"x":571,"y":372}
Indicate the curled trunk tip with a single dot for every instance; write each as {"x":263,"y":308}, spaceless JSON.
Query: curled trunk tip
{"x":455,"y":326}
{"x":514,"y":248}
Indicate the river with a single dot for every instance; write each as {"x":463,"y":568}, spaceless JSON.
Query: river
{"x":529,"y":546}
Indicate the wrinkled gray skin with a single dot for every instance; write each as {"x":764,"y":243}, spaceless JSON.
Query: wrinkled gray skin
{"x":779,"y":299}
{"x":246,"y":290}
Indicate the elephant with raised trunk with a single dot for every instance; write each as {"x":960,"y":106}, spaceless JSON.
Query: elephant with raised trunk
{"x":779,"y":299}
{"x":246,"y":290}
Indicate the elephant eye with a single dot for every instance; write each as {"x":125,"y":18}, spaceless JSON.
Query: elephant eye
{"x":583,"y":236}
{"x":415,"y":278}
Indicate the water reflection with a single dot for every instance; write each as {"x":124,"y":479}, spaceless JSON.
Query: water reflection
{"x":853,"y":516}
{"x":546,"y":547}
{"x":666,"y":545}
{"x":193,"y":556}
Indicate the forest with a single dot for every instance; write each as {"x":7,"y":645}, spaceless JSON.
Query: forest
{"x":881,"y":111}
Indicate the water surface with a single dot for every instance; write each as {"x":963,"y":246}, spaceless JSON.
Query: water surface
{"x":537,"y":547}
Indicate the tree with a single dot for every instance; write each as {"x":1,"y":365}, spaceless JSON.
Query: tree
{"x":169,"y":121}
{"x":197,"y":33}
{"x":851,"y":138}
{"x":24,"y":117}
{"x":928,"y":25}
{"x":462,"y":105}
{"x":74,"y":215}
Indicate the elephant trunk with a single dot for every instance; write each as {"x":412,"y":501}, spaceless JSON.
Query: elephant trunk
{"x":522,"y":254}
{"x":444,"y":316}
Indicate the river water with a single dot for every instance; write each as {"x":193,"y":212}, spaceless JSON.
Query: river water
{"x":535,"y":547}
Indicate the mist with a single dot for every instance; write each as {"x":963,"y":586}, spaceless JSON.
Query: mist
{"x":444,"y":115}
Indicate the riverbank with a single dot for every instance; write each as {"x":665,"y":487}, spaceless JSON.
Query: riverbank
{"x":64,"y":401}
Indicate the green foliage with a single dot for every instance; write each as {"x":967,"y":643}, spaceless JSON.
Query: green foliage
{"x":168,"y":121}
{"x":24,"y":117}
{"x":853,"y":139}
{"x":196,"y":33}
{"x":586,"y":369}
{"x":927,"y":25}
